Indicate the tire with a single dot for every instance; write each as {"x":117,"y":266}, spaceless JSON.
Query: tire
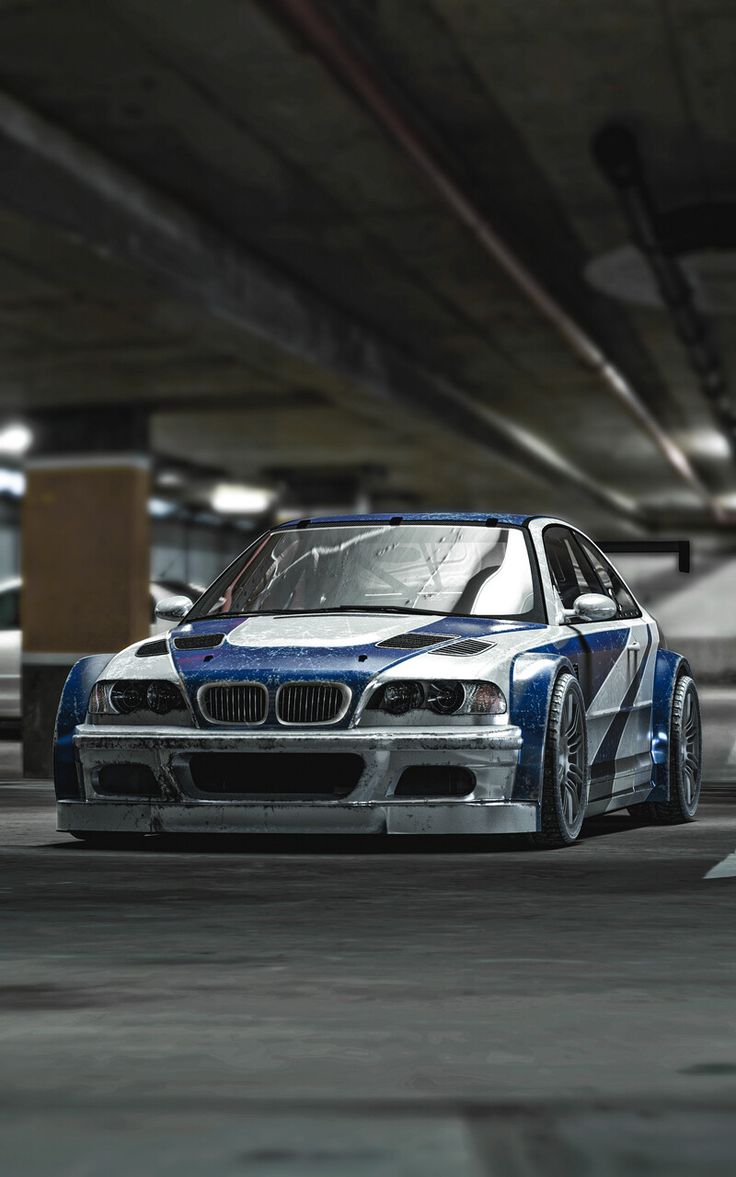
{"x":685,"y":764}
{"x":101,"y":841}
{"x":566,"y":783}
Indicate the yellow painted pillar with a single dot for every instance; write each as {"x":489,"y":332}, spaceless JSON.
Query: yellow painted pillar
{"x":85,"y":567}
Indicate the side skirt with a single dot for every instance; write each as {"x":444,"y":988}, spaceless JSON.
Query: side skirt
{"x":629,"y":772}
{"x":620,"y":800}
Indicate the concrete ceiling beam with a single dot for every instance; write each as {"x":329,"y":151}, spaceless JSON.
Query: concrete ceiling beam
{"x":80,"y":192}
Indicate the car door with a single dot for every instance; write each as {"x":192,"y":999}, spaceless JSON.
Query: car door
{"x":627,"y":741}
{"x":10,"y":653}
{"x":600,"y":653}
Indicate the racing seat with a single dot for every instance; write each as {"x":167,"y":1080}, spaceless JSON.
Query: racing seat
{"x":564,"y":578}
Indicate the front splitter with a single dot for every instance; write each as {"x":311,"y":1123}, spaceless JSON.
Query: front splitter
{"x":292,"y":817}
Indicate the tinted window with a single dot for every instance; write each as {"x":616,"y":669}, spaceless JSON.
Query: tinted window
{"x":10,"y":609}
{"x":571,"y":572}
{"x":611,"y":583}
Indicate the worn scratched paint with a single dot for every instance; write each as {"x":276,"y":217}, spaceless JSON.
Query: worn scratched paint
{"x":505,"y":756}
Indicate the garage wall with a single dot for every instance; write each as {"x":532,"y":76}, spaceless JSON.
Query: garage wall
{"x":191,"y":553}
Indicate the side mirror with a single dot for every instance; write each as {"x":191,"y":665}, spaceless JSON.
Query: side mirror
{"x":592,"y":607}
{"x":173,"y":608}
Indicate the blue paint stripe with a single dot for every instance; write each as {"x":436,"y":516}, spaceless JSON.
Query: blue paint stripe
{"x":601,"y":651}
{"x":471,"y":517}
{"x":605,"y":659}
{"x":612,"y":739}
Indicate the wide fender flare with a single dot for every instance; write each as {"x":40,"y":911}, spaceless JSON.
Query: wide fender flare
{"x":533,"y":676}
{"x":667,"y":669}
{"x":72,"y":711}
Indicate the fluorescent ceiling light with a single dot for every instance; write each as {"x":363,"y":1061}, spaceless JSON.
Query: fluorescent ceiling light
{"x":236,"y":499}
{"x":170,"y":478}
{"x":706,"y":443}
{"x":15,"y":438}
{"x":159,"y":508}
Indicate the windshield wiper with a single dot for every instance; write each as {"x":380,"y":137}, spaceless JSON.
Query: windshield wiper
{"x":382,"y":609}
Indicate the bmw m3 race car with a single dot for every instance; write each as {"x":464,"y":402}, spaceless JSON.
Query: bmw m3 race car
{"x":415,"y":674}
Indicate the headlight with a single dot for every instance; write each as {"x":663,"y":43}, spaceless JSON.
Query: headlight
{"x":400,"y":697}
{"x":163,"y":697}
{"x":445,"y":698}
{"x":126,"y":696}
{"x":442,"y":696}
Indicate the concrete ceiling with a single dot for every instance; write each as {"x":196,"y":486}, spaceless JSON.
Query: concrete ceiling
{"x":320,"y":308}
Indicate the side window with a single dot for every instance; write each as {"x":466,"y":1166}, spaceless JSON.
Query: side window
{"x":611,"y":582}
{"x":571,"y":573}
{"x":10,"y":609}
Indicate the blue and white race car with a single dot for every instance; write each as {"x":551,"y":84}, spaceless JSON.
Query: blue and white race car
{"x":415,"y":674}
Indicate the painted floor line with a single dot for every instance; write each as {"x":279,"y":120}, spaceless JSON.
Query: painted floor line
{"x":724,"y":869}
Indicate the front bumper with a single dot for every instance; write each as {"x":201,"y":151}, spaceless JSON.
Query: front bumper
{"x":490,"y":753}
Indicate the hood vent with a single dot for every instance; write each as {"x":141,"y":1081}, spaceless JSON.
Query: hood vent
{"x":466,"y":648}
{"x":152,"y":649}
{"x":413,"y":641}
{"x":199,"y":641}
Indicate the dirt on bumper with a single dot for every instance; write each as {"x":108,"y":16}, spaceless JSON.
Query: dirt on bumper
{"x":182,"y":805}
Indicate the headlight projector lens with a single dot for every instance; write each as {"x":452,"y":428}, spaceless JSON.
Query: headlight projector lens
{"x":127,"y":696}
{"x":445,"y":698}
{"x":400,"y":697}
{"x":163,"y":697}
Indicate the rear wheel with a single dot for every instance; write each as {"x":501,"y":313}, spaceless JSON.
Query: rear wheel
{"x":566,"y":775}
{"x":685,"y":760}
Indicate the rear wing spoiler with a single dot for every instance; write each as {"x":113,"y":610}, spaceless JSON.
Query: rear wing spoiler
{"x":650,"y":547}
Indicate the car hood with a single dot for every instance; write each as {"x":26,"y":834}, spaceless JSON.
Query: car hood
{"x":337,"y":646}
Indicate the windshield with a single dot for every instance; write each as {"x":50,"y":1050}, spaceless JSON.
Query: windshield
{"x":434,"y":568}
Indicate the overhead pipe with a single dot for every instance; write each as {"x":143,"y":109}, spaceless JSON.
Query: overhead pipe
{"x":351,"y":69}
{"x":616,"y":152}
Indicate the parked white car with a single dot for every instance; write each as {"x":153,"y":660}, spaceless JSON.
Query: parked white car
{"x":11,"y":641}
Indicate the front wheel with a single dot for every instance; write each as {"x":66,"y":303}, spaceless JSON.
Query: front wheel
{"x":685,"y":759}
{"x":566,"y":773}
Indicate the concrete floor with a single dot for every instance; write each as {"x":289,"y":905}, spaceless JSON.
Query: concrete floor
{"x":360,"y":1008}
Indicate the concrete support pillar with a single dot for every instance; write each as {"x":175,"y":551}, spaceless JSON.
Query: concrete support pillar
{"x":85,"y":557}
